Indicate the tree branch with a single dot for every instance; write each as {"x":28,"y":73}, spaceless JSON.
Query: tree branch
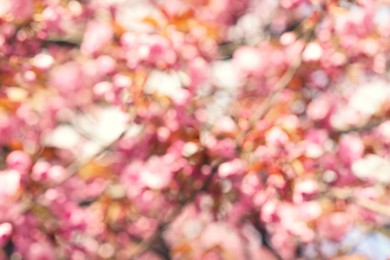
{"x":371,"y":205}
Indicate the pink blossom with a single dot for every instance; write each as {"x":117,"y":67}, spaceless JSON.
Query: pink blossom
{"x":22,"y":9}
{"x":121,"y":81}
{"x":106,"y":64}
{"x":156,"y":173}
{"x":39,"y":171}
{"x":384,"y":131}
{"x":208,"y":181}
{"x":155,"y":49}
{"x":67,"y":78}
{"x":355,"y":23}
{"x":250,"y":184}
{"x":313,"y":150}
{"x":43,"y":61}
{"x":320,"y":107}
{"x":103,"y":89}
{"x":235,"y":167}
{"x":52,"y":18}
{"x":317,"y":136}
{"x":225,"y":148}
{"x":276,"y":181}
{"x":225,"y":126}
{"x":335,"y":225}
{"x":351,"y":148}
{"x":293,"y":222}
{"x":97,"y":35}
{"x":310,"y":210}
{"x":291,"y":3}
{"x":56,"y":173}
{"x":10,"y":181}
{"x":372,"y":167}
{"x":313,"y":52}
{"x":346,"y":117}
{"x":220,"y":234}
{"x":19,"y":160}
{"x":269,"y":211}
{"x":41,"y":251}
{"x":5,"y":232}
{"x":129,"y":40}
{"x":248,"y":61}
{"x":306,"y":189}
{"x":276,"y":136}
{"x":282,"y":242}
{"x":198,"y":71}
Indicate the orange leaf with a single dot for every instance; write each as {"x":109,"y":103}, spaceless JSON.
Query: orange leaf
{"x":182,"y":249}
{"x":95,"y":169}
{"x":118,"y":29}
{"x":8,"y":105}
{"x":151,"y":21}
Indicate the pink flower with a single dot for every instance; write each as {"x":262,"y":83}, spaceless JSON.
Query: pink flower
{"x":334,"y":226}
{"x":248,"y":60}
{"x":103,"y":89}
{"x":268,"y":211}
{"x":310,"y":210}
{"x":67,"y":78}
{"x":356,"y":23}
{"x":97,"y":35}
{"x":372,"y":167}
{"x":225,"y":148}
{"x":106,"y":64}
{"x":43,"y":171}
{"x":41,"y":251}
{"x":40,"y":171}
{"x":56,"y":173}
{"x":19,"y":161}
{"x":52,"y":18}
{"x":313,"y":52}
{"x":129,"y":40}
{"x":351,"y":148}
{"x":320,"y":107}
{"x":305,"y":189}
{"x":22,"y":9}
{"x":155,"y":49}
{"x":156,"y":173}
{"x":10,"y":183}
{"x":5,"y":232}
{"x":218,"y":234}
{"x":276,"y":136}
{"x":291,"y":3}
{"x":198,"y":71}
{"x":234,"y":167}
{"x":225,"y":126}
{"x":282,"y":242}
{"x":43,"y":61}
{"x":121,"y":81}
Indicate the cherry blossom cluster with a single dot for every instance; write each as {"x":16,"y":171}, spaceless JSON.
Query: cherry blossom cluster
{"x":199,"y":129}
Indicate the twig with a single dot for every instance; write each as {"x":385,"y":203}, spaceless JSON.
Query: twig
{"x":364,"y":128}
{"x":148,"y":243}
{"x":260,"y":227}
{"x":364,"y":203}
{"x":283,"y":82}
{"x":373,"y":206}
{"x":280,"y":85}
{"x":72,"y":169}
